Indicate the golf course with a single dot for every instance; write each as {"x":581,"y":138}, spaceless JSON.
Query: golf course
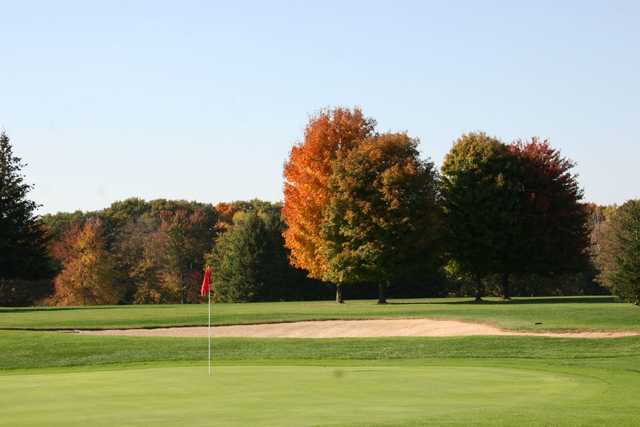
{"x":53,"y":375}
{"x":319,"y":214}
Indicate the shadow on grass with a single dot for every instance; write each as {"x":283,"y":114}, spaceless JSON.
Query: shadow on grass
{"x":50,"y":309}
{"x":605,"y":299}
{"x":92,"y":307}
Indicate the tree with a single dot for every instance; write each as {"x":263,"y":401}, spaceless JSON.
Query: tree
{"x":619,"y":252}
{"x":513,"y":210}
{"x":381,"y":222}
{"x":23,"y":252}
{"x":158,"y":246}
{"x":306,"y":175}
{"x":240,"y":273}
{"x":480,"y":200}
{"x":555,"y":222}
{"x":250,"y":261}
{"x":186,"y":237}
{"x":89,"y":275}
{"x":138,"y":258}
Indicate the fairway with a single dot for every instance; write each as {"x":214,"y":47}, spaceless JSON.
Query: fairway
{"x":603,"y":313}
{"x":287,"y":395}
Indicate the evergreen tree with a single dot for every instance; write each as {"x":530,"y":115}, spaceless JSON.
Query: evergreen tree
{"x":239,"y":257}
{"x":250,"y":260}
{"x":23,"y":253}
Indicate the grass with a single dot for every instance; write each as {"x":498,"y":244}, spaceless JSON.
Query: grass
{"x":54,"y":378}
{"x":525,"y":314}
{"x":49,"y":378}
{"x":307,"y":395}
{"x":30,"y":350}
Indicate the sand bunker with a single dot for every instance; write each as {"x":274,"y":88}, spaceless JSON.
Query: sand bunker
{"x":351,"y":329}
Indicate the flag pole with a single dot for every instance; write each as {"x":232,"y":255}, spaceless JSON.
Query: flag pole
{"x":209,"y":330}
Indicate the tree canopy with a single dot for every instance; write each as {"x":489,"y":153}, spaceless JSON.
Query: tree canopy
{"x":479,"y":201}
{"x":381,"y":222}
{"x":306,"y":175}
{"x":25,"y":264}
{"x":555,"y":222}
{"x":512,"y":210}
{"x":250,"y":260}
{"x":89,"y":275}
{"x":619,"y":252}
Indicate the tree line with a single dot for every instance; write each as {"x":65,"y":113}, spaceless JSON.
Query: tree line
{"x":363,"y":214}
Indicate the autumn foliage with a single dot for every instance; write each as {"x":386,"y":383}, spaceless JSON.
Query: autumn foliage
{"x":360,"y":207}
{"x":381,"y":222}
{"x":306,"y":177}
{"x":89,"y":275}
{"x":618,"y":254}
{"x":555,"y":219}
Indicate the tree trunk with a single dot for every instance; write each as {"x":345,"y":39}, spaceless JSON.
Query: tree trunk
{"x":506,"y":294}
{"x":382,"y":292}
{"x":182,"y":290}
{"x":479,"y":289}
{"x":339,"y":299}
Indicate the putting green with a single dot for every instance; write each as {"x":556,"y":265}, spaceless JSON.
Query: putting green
{"x":290,"y":395}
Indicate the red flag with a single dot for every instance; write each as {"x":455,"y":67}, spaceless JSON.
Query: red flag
{"x":206,"y":282}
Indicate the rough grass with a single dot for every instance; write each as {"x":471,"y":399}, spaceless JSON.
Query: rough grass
{"x":525,"y":314}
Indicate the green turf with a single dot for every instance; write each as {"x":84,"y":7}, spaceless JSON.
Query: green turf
{"x":29,"y":350}
{"x":49,"y":378}
{"x":300,"y":395}
{"x":56,"y":378}
{"x":548,"y":314}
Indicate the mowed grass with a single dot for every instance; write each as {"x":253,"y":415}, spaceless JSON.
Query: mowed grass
{"x":30,"y":350}
{"x":62,"y":378}
{"x":525,"y":314}
{"x":49,"y":378}
{"x":298,"y":395}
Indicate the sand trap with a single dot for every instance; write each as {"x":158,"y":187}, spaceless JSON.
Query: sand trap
{"x":351,"y":329}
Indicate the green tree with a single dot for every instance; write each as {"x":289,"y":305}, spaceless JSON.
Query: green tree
{"x":480,"y":200}
{"x":513,"y":211}
{"x":250,"y":260}
{"x":382,"y":221}
{"x":619,"y":252}
{"x":24,"y":258}
{"x":241,"y":260}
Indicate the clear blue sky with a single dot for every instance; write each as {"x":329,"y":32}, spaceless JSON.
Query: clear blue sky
{"x":203,"y":100}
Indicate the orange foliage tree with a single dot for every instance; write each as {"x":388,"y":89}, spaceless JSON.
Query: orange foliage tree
{"x":306,"y":176}
{"x":89,"y":274}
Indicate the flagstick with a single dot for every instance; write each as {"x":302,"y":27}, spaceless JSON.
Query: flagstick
{"x":209,"y":330}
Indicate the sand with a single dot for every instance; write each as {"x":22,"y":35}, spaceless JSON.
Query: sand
{"x":352,"y":329}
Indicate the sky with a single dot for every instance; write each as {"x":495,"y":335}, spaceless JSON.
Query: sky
{"x":203,"y":100}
